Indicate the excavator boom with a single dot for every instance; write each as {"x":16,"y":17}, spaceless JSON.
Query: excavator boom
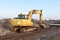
{"x":35,"y":12}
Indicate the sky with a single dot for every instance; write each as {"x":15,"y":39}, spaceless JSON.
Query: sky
{"x":11,"y":8}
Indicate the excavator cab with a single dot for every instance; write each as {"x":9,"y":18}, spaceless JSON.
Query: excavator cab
{"x":20,"y":16}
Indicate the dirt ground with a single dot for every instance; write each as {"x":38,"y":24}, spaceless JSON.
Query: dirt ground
{"x":40,"y":34}
{"x":52,"y":33}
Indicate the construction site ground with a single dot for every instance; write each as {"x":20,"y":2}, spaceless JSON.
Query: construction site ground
{"x":52,"y":33}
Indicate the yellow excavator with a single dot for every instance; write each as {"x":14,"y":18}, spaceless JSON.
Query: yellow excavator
{"x":24,"y":22}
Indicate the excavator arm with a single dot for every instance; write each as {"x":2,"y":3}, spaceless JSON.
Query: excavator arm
{"x":35,"y":12}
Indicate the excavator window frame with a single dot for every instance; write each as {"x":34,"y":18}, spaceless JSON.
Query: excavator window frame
{"x":22,"y":17}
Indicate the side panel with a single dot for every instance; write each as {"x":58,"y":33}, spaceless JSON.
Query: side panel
{"x":21,"y":22}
